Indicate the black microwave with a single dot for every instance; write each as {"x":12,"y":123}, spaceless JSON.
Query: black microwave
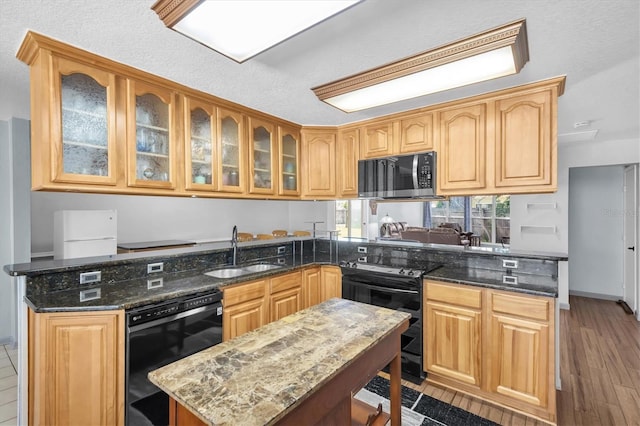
{"x":402,"y":176}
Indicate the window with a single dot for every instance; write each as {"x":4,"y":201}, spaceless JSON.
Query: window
{"x":349,"y":218}
{"x":485,"y":216}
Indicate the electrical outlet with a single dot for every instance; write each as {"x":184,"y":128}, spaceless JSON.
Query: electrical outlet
{"x":155,"y":267}
{"x":90,"y":277}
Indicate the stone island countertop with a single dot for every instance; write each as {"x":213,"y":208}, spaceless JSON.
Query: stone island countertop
{"x":259,"y":377}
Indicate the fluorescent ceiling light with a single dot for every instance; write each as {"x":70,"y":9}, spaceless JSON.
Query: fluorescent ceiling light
{"x":495,"y":53}
{"x":242,"y":29}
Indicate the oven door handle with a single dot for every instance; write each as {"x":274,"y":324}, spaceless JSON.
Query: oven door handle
{"x":174,"y":317}
{"x":385,"y":289}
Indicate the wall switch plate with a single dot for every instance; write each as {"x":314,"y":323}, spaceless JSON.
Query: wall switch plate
{"x":90,"y":277}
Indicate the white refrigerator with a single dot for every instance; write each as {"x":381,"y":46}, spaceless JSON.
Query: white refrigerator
{"x":84,"y":233}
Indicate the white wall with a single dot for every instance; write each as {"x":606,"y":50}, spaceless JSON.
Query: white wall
{"x":579,"y":154}
{"x":150,"y":218}
{"x":14,"y":223}
{"x":596,"y":231}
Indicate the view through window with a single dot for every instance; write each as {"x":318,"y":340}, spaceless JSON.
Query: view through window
{"x":486,"y":216}
{"x":349,"y":218}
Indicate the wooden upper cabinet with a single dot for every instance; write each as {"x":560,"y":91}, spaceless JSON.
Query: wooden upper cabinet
{"x":262,"y":157}
{"x":462,"y":148}
{"x":83,"y":118}
{"x":524,"y":153}
{"x":289,"y":161}
{"x":378,"y":140}
{"x":348,"y":155}
{"x":151,"y":138}
{"x":416,"y":133}
{"x":231,"y":149}
{"x":319,"y":163}
{"x":201,"y":159}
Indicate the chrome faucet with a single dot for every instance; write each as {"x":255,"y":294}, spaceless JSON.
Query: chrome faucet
{"x":234,"y":244}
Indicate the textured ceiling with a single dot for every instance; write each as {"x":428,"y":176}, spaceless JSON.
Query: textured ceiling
{"x":595,"y":43}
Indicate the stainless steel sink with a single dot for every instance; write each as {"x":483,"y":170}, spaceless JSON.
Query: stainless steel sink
{"x":227,"y":273}
{"x":239,"y":271}
{"x":261,"y":267}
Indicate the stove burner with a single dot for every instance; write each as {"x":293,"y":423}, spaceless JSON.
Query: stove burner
{"x":384,"y":269}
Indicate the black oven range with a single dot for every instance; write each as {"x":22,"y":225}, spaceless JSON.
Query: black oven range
{"x":393,"y":287}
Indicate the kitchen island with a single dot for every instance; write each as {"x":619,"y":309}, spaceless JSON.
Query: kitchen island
{"x":302,"y":369}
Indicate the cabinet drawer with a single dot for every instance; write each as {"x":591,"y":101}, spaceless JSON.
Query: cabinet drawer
{"x":521,"y":306}
{"x":243,"y":292}
{"x":284,"y":282}
{"x":454,"y":294}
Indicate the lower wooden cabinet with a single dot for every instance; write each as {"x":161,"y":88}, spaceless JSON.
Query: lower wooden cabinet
{"x":321,"y":283}
{"x":253,"y":304}
{"x":312,"y":286}
{"x":495,"y":345}
{"x":331,"y":282}
{"x":76,"y":368}
{"x":245,"y":308}
{"x":453,"y":325}
{"x":285,"y":295}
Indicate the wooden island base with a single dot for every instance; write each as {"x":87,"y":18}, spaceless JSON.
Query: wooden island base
{"x":333,"y":403}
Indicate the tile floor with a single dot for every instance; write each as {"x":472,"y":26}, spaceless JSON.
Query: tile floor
{"x":8,"y":385}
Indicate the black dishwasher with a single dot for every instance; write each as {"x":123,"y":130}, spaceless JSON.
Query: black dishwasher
{"x":158,"y":335}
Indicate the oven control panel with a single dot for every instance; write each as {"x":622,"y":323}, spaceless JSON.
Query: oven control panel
{"x":154,"y":313}
{"x":202,"y":300}
{"x":150,"y":313}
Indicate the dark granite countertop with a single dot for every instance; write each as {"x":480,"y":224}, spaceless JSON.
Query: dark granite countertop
{"x":487,"y":250}
{"x":540,"y":285}
{"x":50,"y":265}
{"x":144,"y":291}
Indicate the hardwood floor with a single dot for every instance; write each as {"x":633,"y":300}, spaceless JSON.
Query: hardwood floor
{"x":8,"y":385}
{"x":599,"y":368}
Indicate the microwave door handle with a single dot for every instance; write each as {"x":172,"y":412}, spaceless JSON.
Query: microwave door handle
{"x":414,"y":173}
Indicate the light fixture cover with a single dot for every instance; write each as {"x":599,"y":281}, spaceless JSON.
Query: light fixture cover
{"x":243,"y":29}
{"x":494,"y":53}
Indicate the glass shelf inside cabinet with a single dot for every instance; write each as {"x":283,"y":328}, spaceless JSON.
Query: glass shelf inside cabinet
{"x":289,"y":163}
{"x":84,"y":126}
{"x":261,"y":158}
{"x":230,"y":152}
{"x":152,"y":138}
{"x":201,"y":143}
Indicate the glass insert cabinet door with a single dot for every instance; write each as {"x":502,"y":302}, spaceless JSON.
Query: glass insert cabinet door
{"x":231,"y":169}
{"x":261,"y":157}
{"x":151,"y":148}
{"x":85,"y":137}
{"x":289,"y":155}
{"x":200,"y":171}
